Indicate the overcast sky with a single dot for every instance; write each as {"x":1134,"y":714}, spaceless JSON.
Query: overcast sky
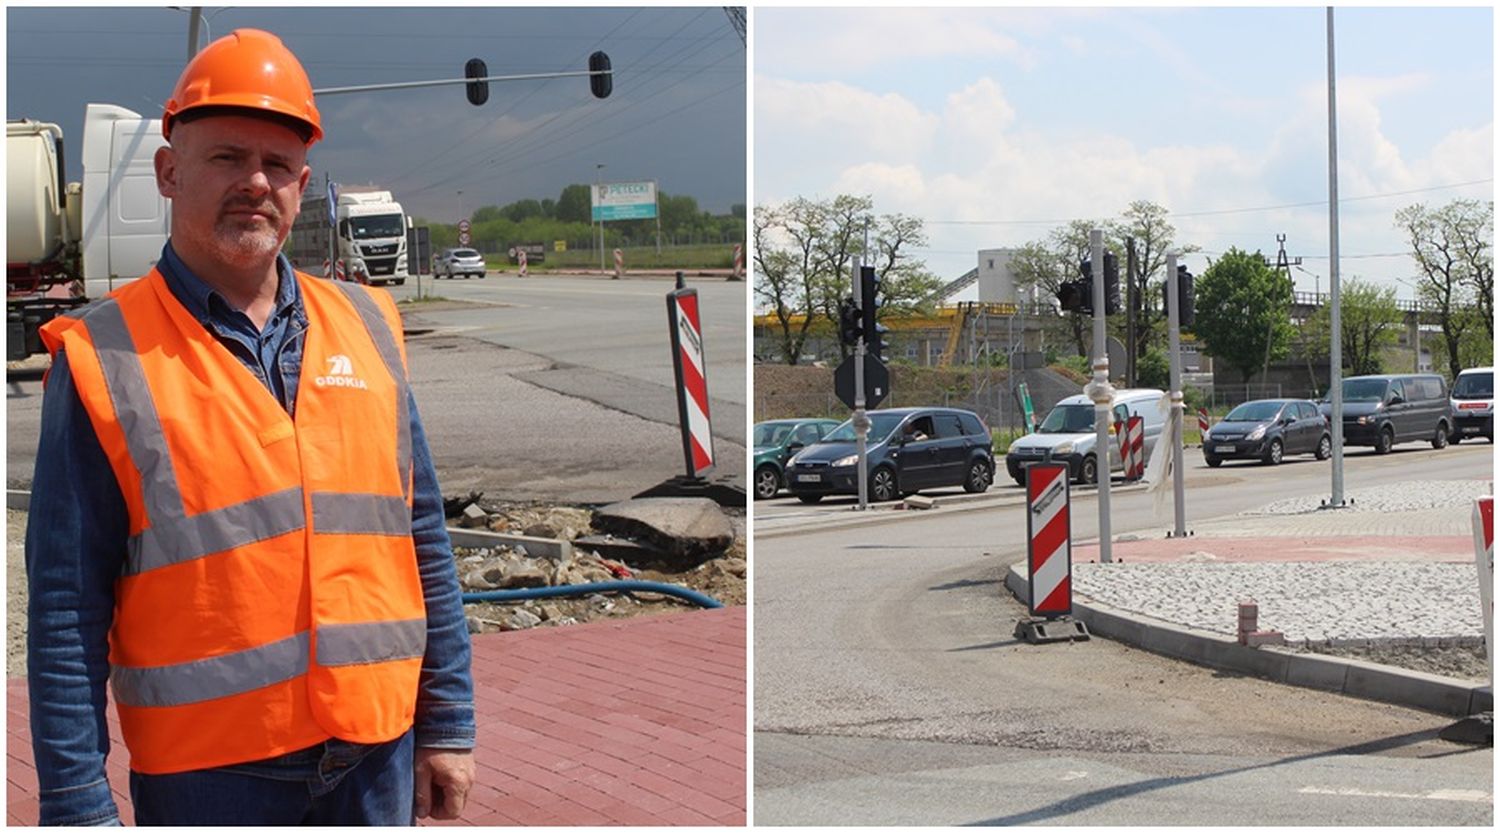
{"x":1023,"y":119}
{"x":677,"y":114}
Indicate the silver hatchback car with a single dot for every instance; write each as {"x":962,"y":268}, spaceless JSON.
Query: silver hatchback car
{"x":464,"y":262}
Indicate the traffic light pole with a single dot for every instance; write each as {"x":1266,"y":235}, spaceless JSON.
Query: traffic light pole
{"x":861,"y":422}
{"x":1101,"y":393}
{"x":1174,"y":344}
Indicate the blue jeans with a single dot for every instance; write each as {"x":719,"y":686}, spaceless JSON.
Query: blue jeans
{"x":333,"y":783}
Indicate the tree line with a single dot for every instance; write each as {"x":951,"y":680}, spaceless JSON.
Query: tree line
{"x":494,"y":228}
{"x":803,"y":251}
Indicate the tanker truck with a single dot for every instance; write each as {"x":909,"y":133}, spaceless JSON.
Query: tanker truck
{"x":64,"y":239}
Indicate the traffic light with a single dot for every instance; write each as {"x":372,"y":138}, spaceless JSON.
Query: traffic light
{"x":600,"y":85}
{"x":869,"y":309}
{"x":1075,"y":296}
{"x":1184,"y":297}
{"x":850,"y":326}
{"x":477,"y":91}
{"x":1085,"y":286}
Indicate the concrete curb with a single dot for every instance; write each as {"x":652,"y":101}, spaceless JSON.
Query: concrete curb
{"x":1356,"y":678}
{"x":830,"y":521}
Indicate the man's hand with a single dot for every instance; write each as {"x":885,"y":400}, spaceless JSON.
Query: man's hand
{"x":446,"y":774}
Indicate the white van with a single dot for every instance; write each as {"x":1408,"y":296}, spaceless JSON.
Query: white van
{"x":1473,"y":401}
{"x":1068,"y":432}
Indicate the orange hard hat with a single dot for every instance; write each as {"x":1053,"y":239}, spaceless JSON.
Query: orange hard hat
{"x":246,"y":70}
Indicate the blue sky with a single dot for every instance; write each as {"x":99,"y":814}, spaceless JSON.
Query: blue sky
{"x":677,"y":114}
{"x":1021,"y":115}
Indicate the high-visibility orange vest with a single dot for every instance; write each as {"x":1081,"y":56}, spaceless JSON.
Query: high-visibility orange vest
{"x":270,"y":598}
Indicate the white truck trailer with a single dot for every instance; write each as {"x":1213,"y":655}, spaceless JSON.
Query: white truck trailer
{"x":65,"y":240}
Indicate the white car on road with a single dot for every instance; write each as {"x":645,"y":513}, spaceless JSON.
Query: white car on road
{"x":453,"y":262}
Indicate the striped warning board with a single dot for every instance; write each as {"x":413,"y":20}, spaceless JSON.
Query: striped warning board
{"x":1049,"y":554}
{"x":1202,"y":421}
{"x":692,"y":382}
{"x":1484,"y":556}
{"x":1133,"y":448}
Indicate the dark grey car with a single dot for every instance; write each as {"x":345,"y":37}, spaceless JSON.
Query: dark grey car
{"x":1381,"y":411}
{"x":1267,"y":430}
{"x":907,"y":450}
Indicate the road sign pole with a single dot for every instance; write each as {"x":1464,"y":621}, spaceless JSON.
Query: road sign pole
{"x":1174,"y":345}
{"x":861,"y":421}
{"x":1102,"y":395}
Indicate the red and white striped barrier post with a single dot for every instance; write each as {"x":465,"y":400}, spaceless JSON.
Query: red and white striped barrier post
{"x":692,"y":383}
{"x":1049,"y":546}
{"x":739,"y":263}
{"x":1202,"y":423}
{"x":1484,"y":556}
{"x":1133,"y":448}
{"x":619,"y":264}
{"x":521,"y":259}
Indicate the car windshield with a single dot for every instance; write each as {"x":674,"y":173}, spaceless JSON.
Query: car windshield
{"x":881,"y":426}
{"x":1475,"y":386}
{"x":1253,"y":412}
{"x":377,"y":225}
{"x":1364,"y":390}
{"x":768,"y":433}
{"x":1068,"y":419}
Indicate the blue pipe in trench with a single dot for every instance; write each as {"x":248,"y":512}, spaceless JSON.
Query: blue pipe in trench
{"x":597,"y":587}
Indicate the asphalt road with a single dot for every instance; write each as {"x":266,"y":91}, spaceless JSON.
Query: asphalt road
{"x":553,"y":388}
{"x":889,"y":688}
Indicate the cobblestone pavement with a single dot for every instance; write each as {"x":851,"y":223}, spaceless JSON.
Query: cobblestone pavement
{"x":1394,"y":568}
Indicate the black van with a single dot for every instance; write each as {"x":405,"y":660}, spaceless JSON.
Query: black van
{"x":1381,"y":411}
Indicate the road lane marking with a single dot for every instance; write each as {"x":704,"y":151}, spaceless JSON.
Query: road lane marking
{"x":1477,"y":796}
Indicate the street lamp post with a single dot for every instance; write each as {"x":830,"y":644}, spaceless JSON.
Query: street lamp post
{"x":598,"y":174}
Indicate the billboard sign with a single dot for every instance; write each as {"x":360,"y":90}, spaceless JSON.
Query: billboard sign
{"x":624,"y":201}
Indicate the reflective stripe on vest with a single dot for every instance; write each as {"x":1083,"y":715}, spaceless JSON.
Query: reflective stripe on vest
{"x":263,"y":665}
{"x":385,"y":343}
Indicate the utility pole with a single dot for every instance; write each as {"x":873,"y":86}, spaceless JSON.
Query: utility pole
{"x":1131,"y":302}
{"x":1335,"y":347}
{"x":1174,"y":344}
{"x":1102,"y":394}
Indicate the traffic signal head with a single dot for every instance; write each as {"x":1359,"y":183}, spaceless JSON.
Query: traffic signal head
{"x":1112,"y":304}
{"x":850,"y":327}
{"x":477,"y":91}
{"x":1077,"y":296}
{"x":600,"y":85}
{"x":1184,"y":297}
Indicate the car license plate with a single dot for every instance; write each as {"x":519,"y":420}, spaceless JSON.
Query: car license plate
{"x":809,"y":478}
{"x":1223,"y":449}
{"x":1471,"y":429}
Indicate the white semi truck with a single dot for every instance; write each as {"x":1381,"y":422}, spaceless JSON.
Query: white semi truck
{"x":370,"y":228}
{"x":65,"y":240}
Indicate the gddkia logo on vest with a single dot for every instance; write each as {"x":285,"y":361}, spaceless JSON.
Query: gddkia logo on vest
{"x":340,"y":375}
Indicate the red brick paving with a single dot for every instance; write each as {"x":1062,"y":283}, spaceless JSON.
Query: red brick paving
{"x":633,"y":722}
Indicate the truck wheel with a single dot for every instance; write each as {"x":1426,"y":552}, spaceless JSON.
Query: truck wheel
{"x":399,"y":281}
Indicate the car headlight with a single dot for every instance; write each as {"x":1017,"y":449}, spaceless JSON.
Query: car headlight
{"x":846,"y":461}
{"x":1363,"y":420}
{"x":1063,"y":448}
{"x":1259,"y":432}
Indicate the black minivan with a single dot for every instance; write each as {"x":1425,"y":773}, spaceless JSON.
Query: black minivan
{"x":1381,"y":411}
{"x":907,"y":450}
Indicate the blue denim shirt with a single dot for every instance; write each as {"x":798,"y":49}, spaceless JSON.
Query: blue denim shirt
{"x":75,"y":548}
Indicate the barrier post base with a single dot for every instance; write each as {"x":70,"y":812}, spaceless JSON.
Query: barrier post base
{"x":1041,"y":631}
{"x":1477,"y":729}
{"x":724,"y":494}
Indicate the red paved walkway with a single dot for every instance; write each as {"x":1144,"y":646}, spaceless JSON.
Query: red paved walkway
{"x":635,"y":722}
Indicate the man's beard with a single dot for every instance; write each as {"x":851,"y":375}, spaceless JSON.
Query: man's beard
{"x":244,"y":242}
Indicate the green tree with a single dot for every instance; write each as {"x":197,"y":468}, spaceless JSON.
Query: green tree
{"x":1453,"y":248}
{"x":1369,"y":319}
{"x":1241,"y":309}
{"x":575,"y":205}
{"x":1042,"y":266}
{"x":1145,"y":223}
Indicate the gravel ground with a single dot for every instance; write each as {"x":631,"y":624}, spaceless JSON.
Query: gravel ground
{"x":1404,"y":497}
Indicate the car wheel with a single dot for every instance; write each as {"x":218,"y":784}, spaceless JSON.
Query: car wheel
{"x":767,"y":483}
{"x":883,"y":485}
{"x":1440,"y":436}
{"x":1273,"y":454}
{"x":1213,"y":462}
{"x":979,"y":477}
{"x":1088,"y":471}
{"x":1019,"y":478}
{"x":1325,"y":448}
{"x":1385,"y":441}
{"x":809,"y":498}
